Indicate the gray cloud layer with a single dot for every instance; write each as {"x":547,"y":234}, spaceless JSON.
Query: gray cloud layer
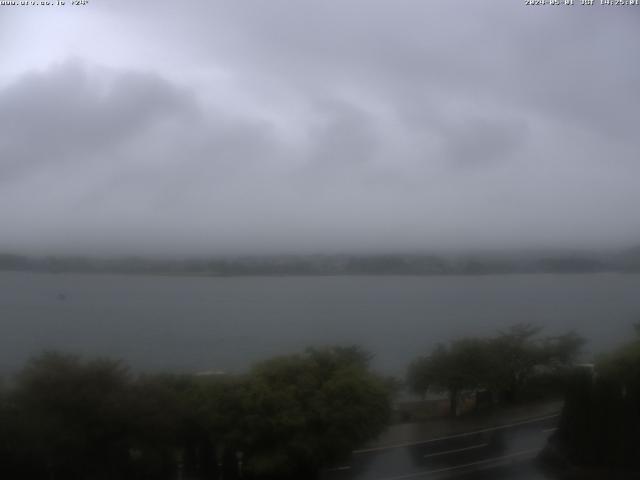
{"x":325,"y":126}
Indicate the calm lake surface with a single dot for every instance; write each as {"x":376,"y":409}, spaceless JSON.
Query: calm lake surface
{"x":196,"y":323}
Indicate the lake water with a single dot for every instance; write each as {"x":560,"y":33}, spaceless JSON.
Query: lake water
{"x":196,"y":323}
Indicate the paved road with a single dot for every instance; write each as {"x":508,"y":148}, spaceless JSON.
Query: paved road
{"x":503,"y":452}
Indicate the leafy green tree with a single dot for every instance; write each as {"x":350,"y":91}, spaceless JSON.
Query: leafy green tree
{"x":72,"y":416}
{"x":623,"y":364}
{"x":600,"y":421}
{"x":419,"y":376}
{"x":7,"y":440}
{"x":520,"y":353}
{"x":166,"y":424}
{"x":302,"y":411}
{"x":222,"y":408}
{"x":515,"y":355}
{"x":65,"y":417}
{"x":503,"y":364}
{"x":460,"y":366}
{"x":562,"y":350}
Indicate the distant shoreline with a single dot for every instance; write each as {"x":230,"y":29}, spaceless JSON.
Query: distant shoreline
{"x":319,"y":275}
{"x":334,"y":265}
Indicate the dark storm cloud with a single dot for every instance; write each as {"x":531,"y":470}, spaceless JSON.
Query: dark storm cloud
{"x":236,"y":126}
{"x":62,"y":114}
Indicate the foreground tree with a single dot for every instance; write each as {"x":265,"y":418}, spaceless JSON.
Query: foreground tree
{"x":66,"y":418}
{"x":304,"y":411}
{"x":460,"y":366}
{"x":503,"y":364}
{"x":7,"y":436}
{"x":70,"y":417}
{"x":520,"y":353}
{"x":515,"y":355}
{"x":420,"y":376}
{"x":600,"y":422}
{"x":166,"y":428}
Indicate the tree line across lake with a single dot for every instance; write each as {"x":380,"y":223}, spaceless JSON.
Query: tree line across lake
{"x":391,"y":264}
{"x":64,"y":417}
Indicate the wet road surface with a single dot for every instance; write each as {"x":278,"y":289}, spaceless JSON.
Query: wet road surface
{"x":504,"y":452}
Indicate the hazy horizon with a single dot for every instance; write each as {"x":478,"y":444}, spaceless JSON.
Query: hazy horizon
{"x":451,"y":253}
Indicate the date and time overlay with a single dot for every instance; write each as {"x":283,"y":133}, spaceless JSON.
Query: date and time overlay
{"x":585,"y":3}
{"x":83,"y":3}
{"x":44,"y":3}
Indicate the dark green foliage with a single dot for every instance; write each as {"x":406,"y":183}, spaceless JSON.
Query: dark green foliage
{"x":516,"y":354}
{"x":309,"y":409}
{"x":600,"y":422}
{"x":461,"y":365}
{"x":504,"y":364}
{"x":420,"y":376}
{"x":65,"y":418}
{"x":70,"y":418}
{"x":166,"y":419}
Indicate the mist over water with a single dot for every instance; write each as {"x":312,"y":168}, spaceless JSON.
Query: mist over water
{"x":195,"y":324}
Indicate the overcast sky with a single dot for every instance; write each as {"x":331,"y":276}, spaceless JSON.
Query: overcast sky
{"x":311,"y":126}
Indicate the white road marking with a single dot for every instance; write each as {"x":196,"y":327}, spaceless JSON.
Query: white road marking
{"x":465,"y":465}
{"x":547,"y":430}
{"x":337,"y":469}
{"x":458,"y":435}
{"x":473,"y":447}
